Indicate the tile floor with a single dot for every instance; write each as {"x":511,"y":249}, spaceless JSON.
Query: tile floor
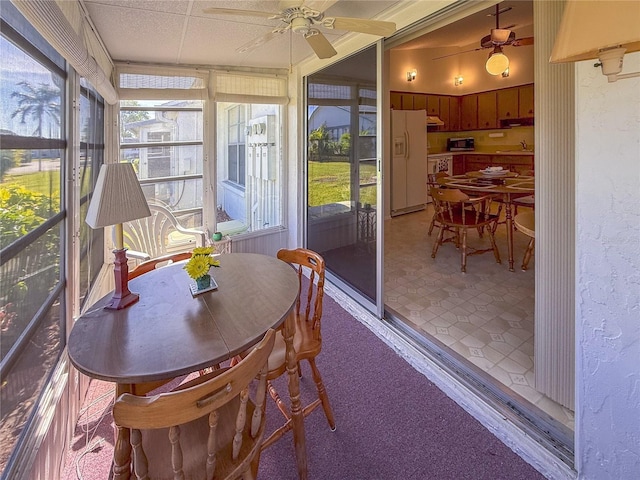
{"x":485,"y":315}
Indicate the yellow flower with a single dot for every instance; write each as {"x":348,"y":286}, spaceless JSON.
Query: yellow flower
{"x":198,"y":266}
{"x":202,"y":251}
{"x":200,"y":262}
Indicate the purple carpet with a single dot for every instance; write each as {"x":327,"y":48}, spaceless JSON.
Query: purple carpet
{"x":392,"y":423}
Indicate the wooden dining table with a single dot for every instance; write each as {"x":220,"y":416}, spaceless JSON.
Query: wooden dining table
{"x":508,"y":185}
{"x":169,"y":333}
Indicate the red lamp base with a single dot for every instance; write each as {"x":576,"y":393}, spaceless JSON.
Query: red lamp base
{"x":122,"y":297}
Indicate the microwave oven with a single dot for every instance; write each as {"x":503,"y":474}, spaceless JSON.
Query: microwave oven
{"x":465,"y":144}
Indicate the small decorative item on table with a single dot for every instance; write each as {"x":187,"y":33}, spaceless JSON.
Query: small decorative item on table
{"x":198,"y":268}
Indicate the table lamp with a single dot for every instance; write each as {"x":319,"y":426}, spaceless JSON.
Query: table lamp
{"x":598,"y":29}
{"x":118,"y":198}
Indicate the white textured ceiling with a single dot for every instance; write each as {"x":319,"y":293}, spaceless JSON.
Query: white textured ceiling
{"x":178,"y":32}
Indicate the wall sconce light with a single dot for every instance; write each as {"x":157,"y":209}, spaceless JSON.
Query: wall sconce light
{"x":505,"y":74}
{"x":411,"y":76}
{"x":497,"y":61}
{"x":616,"y":32}
{"x":457,"y":81}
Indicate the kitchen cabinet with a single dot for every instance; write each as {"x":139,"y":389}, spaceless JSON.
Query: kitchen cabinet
{"x":407,"y":101}
{"x":395,"y":99}
{"x":458,"y":165}
{"x":476,"y":111}
{"x":487,"y":114}
{"x":525,"y":99}
{"x":419,"y":101}
{"x":469,"y":112}
{"x":445,"y":115}
{"x":454,"y":114}
{"x":470,"y":162}
{"x":507,"y":100}
{"x":433,"y":105}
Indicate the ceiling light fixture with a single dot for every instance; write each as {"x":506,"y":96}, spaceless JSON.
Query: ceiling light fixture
{"x":497,"y":61}
{"x":505,"y":74}
{"x":411,"y":76}
{"x":457,"y":81}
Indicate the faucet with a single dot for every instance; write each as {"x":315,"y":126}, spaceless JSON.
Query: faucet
{"x":524,"y":144}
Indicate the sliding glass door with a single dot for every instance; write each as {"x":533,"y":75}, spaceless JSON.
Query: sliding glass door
{"x":342,"y":170}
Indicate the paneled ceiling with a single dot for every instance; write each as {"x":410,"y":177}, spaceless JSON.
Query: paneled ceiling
{"x":178,"y":32}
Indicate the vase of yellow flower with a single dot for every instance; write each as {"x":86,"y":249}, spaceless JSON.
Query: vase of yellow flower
{"x":199,"y":265}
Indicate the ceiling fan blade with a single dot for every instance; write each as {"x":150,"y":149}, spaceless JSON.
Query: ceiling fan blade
{"x":319,"y":43}
{"x":234,"y":11}
{"x":520,"y":42}
{"x":374,"y":27}
{"x":255,"y":43}
{"x":458,"y":53}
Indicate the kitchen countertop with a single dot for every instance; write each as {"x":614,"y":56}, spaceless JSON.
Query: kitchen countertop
{"x":476,"y":152}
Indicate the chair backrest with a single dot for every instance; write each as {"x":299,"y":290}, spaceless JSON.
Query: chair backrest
{"x":150,"y":235}
{"x":309,"y":305}
{"x":454,"y":207}
{"x":208,"y":428}
{"x":158,"y":262}
{"x":432,"y":178}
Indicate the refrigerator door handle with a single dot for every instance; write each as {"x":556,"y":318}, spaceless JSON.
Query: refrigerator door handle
{"x":406,"y":145}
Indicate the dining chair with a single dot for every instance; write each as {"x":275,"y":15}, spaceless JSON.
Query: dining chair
{"x":150,"y":237}
{"x":432,"y":182}
{"x":209,"y":428}
{"x":307,"y":339}
{"x":525,"y":222}
{"x":456,"y":212}
{"x":158,"y":262}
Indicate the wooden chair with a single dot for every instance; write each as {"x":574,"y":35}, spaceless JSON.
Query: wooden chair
{"x":158,"y":262}
{"x":525,"y":222}
{"x":456,"y":212}
{"x":148,"y":238}
{"x":208,"y":428}
{"x":307,"y":339}
{"x":432,"y":182}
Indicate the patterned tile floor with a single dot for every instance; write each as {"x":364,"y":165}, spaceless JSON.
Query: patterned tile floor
{"x":485,"y":315}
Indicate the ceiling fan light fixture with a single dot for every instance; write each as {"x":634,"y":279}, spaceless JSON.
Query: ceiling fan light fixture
{"x":500,"y":36}
{"x":497,"y":62}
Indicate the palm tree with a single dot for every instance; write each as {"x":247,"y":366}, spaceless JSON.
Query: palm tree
{"x":36,"y":103}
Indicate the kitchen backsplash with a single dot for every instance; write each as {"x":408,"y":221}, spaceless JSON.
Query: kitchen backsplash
{"x":483,"y":142}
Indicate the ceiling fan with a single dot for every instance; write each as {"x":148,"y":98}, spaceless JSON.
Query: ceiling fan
{"x":498,"y":38}
{"x":303,"y":20}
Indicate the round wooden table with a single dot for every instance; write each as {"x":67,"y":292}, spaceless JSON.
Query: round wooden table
{"x":169,"y":333}
{"x":509,"y":186}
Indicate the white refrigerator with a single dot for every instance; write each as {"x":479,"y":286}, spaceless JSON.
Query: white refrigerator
{"x":409,"y":161}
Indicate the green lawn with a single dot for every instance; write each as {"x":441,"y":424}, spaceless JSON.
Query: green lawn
{"x":47,"y":182}
{"x":329,"y":182}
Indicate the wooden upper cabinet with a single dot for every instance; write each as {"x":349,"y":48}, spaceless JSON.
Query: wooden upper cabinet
{"x":508,"y":103}
{"x":433,"y":105}
{"x":395,"y":99}
{"x":419,"y":101}
{"x":407,"y":101}
{"x":445,"y":115}
{"x":487,"y":117}
{"x":454,"y":114}
{"x":469,"y":112}
{"x":526,"y":102}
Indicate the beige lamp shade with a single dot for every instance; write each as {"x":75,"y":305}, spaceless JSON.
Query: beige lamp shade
{"x":117,"y":198}
{"x":588,"y":26}
{"x":497,"y":62}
